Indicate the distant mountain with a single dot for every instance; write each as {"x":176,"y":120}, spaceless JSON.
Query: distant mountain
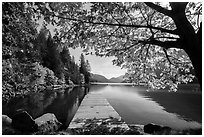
{"x":102,"y":79}
{"x":117,"y":79}
{"x":98,"y":78}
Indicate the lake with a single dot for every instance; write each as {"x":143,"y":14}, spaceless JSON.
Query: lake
{"x":63,"y":103}
{"x":179,"y":110}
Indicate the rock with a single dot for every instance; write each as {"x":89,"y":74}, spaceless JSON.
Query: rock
{"x":6,"y":121}
{"x":47,"y":123}
{"x":151,"y":128}
{"x":23,"y":122}
{"x":6,"y":126}
{"x":156,"y":129}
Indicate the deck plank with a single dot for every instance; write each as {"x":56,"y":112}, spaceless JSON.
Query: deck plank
{"x":93,"y":106}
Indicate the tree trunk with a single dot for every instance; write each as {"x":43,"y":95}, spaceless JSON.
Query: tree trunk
{"x":193,"y":47}
{"x":191,"y":42}
{"x":196,"y":59}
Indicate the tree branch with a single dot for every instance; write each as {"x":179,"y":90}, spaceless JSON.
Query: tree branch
{"x":163,"y":37}
{"x":147,"y":52}
{"x":113,"y":33}
{"x":159,"y":8}
{"x":164,"y":44}
{"x":67,"y":32}
{"x":167,"y":56}
{"x":115,"y":19}
{"x":143,"y":15}
{"x":121,"y":25}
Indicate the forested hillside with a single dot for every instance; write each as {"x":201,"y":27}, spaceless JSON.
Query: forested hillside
{"x":33,"y":61}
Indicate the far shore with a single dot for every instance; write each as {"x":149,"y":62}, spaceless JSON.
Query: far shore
{"x":191,"y":86}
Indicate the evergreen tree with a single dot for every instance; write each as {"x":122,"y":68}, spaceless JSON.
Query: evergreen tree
{"x":84,"y":68}
{"x":88,"y":70}
{"x":49,"y":52}
{"x":65,"y":57}
{"x":66,"y":60}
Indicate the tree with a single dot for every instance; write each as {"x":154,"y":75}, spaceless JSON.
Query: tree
{"x":49,"y":52}
{"x":88,"y":71}
{"x":65,"y":57}
{"x":75,"y":73}
{"x":84,"y":68}
{"x":66,"y":60}
{"x":18,"y":29}
{"x":155,"y":42}
{"x":18,"y":53}
{"x":88,"y":66}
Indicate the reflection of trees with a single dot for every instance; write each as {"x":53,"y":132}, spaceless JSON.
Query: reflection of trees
{"x":87,"y":90}
{"x":33,"y":103}
{"x":13,"y":105}
{"x":38,"y":102}
{"x":179,"y":103}
{"x":72,"y":111}
{"x":63,"y":104}
{"x":81,"y":92}
{"x":64,"y":107}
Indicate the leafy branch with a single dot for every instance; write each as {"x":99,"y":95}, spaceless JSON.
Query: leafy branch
{"x":121,"y":25}
{"x":164,"y":44}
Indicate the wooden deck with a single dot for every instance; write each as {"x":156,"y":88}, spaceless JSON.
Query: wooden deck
{"x":93,"y":106}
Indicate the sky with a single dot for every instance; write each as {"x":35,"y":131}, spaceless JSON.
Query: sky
{"x":99,"y":65}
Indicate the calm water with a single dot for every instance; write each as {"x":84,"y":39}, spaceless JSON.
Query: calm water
{"x":63,"y":103}
{"x":180,"y":110}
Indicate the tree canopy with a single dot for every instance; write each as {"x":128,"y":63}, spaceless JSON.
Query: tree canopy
{"x":160,"y":44}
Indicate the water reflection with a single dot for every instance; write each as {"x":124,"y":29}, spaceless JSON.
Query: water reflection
{"x":187,"y":105}
{"x":136,"y":106}
{"x":63,"y":103}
